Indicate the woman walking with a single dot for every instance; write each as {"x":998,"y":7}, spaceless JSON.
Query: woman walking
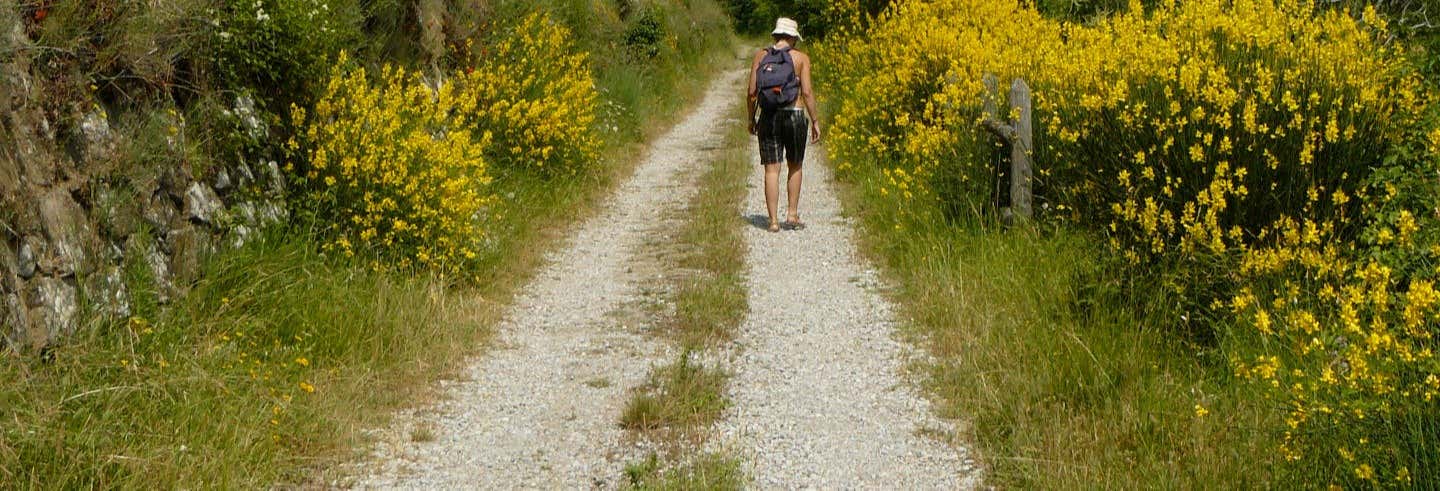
{"x":780,"y":89}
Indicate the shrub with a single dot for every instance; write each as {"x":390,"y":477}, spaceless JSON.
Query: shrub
{"x":1186,"y":134}
{"x":646,"y":33}
{"x":392,"y":170}
{"x":1341,"y":331}
{"x":282,"y":48}
{"x":533,"y":91}
{"x":817,"y":18}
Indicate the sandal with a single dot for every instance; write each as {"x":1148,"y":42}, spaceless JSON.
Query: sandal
{"x":794,"y":225}
{"x":774,"y":227}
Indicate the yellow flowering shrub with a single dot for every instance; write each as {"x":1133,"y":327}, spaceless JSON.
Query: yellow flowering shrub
{"x":1265,"y":166}
{"x":533,"y":90}
{"x":1172,"y":128}
{"x":392,"y":170}
{"x":1348,"y":352}
{"x":1346,"y":328}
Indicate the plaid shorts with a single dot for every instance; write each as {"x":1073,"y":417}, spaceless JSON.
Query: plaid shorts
{"x":782,"y":135}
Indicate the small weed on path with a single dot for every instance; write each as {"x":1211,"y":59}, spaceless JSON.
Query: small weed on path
{"x":707,"y":472}
{"x":681,"y":396}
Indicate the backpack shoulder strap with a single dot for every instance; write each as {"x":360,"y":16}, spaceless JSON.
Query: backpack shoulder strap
{"x":784,"y":52}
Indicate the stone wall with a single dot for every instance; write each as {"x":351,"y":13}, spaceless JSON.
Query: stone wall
{"x":77,"y":217}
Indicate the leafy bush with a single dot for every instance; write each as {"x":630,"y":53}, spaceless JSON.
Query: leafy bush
{"x":646,"y":33}
{"x":533,"y":91}
{"x":1260,"y":167}
{"x":393,"y":170}
{"x":282,"y":48}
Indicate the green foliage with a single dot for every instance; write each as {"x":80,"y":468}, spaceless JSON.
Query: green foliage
{"x":282,"y":48}
{"x":816,"y":17}
{"x":646,"y":33}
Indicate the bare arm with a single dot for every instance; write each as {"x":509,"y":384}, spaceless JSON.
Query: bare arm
{"x":753,"y":94}
{"x":807,"y":93}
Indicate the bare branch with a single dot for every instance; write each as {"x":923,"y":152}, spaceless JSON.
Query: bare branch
{"x":1000,"y":130}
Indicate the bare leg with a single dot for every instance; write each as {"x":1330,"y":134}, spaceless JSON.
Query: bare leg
{"x":792,"y":194}
{"x":772,"y":193}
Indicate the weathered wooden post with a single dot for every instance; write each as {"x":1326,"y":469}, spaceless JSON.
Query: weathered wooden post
{"x":1018,"y":134}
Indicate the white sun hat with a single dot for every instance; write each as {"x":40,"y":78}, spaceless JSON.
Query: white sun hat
{"x":788,"y":27}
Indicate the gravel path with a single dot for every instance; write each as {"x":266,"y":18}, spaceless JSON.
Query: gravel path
{"x":542,"y":409}
{"x":818,"y":399}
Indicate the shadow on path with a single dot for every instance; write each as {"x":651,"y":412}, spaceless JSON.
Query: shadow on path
{"x":757,"y":220}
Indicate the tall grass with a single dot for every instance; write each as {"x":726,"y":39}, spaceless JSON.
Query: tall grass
{"x":240,"y":384}
{"x":1060,"y":392}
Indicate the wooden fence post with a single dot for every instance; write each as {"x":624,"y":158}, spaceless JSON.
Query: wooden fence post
{"x":1021,"y":151}
{"x":1018,"y":133}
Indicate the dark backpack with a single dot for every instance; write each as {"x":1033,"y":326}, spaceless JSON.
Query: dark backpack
{"x":776,"y":80}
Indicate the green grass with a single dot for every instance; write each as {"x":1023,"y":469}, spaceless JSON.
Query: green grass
{"x":682,"y":396}
{"x":1063,"y":386}
{"x":707,"y":472}
{"x":211,"y":391}
{"x":712,"y":301}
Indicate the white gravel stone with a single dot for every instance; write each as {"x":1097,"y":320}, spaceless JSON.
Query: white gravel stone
{"x":527,"y":418}
{"x":818,"y":399}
